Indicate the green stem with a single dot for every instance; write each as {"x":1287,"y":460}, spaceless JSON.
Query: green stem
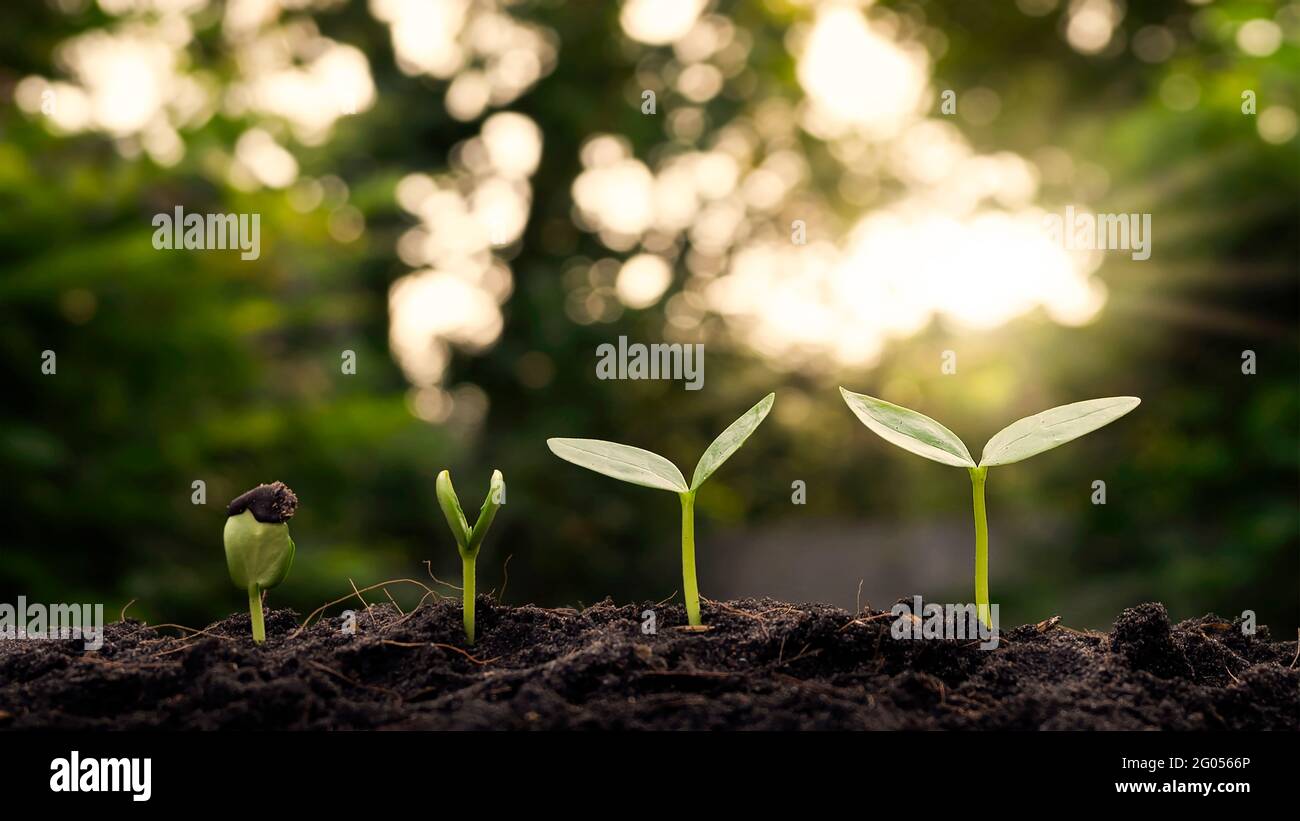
{"x":467,"y":562}
{"x":977,"y":477}
{"x":691,"y":591}
{"x":255,"y":613}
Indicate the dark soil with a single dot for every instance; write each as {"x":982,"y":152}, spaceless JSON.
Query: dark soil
{"x":762,"y":665}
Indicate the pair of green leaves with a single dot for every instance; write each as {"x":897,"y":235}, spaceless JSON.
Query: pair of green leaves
{"x":257,"y":553}
{"x":641,"y":467}
{"x":1026,"y":437}
{"x":897,"y":425}
{"x":469,"y":541}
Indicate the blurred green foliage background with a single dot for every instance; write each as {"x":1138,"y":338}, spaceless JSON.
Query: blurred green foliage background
{"x":177,"y":366}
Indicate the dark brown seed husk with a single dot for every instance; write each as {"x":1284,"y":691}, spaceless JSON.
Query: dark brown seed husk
{"x":270,"y":504}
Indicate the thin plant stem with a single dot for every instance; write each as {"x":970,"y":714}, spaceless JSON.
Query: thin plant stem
{"x":467,"y":562}
{"x":977,"y":478}
{"x":255,"y":613}
{"x":689,"y":588}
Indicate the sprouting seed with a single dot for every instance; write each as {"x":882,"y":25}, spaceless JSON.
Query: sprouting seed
{"x":469,"y":541}
{"x":259,"y":551}
{"x":641,"y":467}
{"x":1027,"y":437}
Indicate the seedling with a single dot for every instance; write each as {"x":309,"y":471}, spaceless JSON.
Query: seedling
{"x":641,"y":467}
{"x":259,"y":551}
{"x":1027,"y":437}
{"x":469,"y":541}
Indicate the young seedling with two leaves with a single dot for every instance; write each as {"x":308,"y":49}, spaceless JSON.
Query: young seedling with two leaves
{"x":469,"y":541}
{"x":1027,"y":437}
{"x":641,"y":467}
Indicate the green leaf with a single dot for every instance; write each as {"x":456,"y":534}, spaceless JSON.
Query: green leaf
{"x":258,"y":553}
{"x":1043,"y":431}
{"x":730,"y":440}
{"x":909,"y":430}
{"x":640,"y":467}
{"x":450,"y":505}
{"x":288,"y":564}
{"x":496,"y":496}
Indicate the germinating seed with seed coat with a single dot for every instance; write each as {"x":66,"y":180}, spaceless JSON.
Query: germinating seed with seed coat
{"x":259,"y":551}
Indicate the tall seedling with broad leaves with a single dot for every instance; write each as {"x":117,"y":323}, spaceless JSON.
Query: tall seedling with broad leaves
{"x":641,"y":467}
{"x":1030,"y":436}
